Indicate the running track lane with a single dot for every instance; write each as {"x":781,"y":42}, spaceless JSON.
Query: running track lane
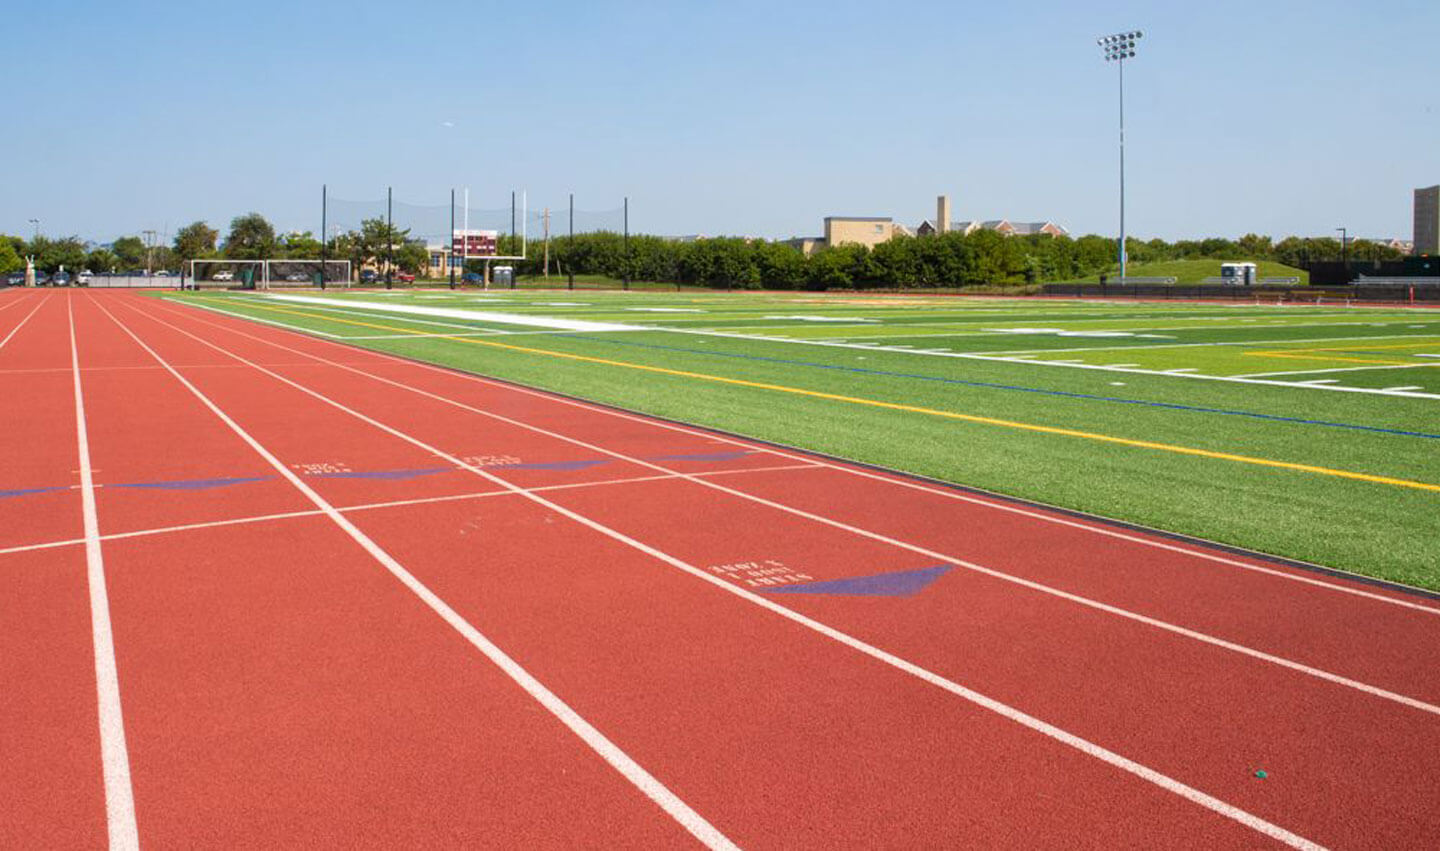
{"x":281,"y":690}
{"x":51,"y":794}
{"x":1406,"y":811}
{"x":723,"y":750}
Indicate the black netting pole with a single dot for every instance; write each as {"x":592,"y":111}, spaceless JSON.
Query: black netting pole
{"x":324,"y":243}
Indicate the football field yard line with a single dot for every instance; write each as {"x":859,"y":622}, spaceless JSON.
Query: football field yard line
{"x":620,"y":761}
{"x":954,"y":415}
{"x":114,"y":756}
{"x":1011,"y":713}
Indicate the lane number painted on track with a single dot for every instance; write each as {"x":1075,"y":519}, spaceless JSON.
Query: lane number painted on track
{"x":321,"y":468}
{"x":756,"y":574}
{"x":490,"y":460}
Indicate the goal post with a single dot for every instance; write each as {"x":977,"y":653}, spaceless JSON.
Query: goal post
{"x":264,"y":274}
{"x":223,"y":274}
{"x":306,"y":273}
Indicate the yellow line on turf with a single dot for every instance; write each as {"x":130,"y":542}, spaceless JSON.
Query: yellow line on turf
{"x":895,"y":406}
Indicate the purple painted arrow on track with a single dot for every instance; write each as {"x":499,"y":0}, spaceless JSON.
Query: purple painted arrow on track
{"x":905,"y":583}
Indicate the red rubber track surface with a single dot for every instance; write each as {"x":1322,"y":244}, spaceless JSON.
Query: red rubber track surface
{"x":281,"y":687}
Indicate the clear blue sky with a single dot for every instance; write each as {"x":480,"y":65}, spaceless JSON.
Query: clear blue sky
{"x":737,"y":117}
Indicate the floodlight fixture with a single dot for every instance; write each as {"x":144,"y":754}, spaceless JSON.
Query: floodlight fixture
{"x":1117,"y":48}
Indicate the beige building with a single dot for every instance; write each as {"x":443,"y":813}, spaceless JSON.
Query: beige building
{"x":868,"y":231}
{"x":1427,"y":221}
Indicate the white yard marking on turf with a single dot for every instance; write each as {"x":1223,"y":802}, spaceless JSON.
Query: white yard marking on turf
{"x":465,"y":313}
{"x":114,"y":756}
{"x":895,"y":478}
{"x":607,"y":750}
{"x":1055,"y":733}
{"x":1332,"y":369}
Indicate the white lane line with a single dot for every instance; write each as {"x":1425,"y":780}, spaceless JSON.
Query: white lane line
{"x":898,"y":479}
{"x":607,"y":750}
{"x":114,"y":756}
{"x":1405,"y":387}
{"x":16,"y":329}
{"x":399,"y":503}
{"x":1315,"y":381}
{"x":1011,"y":713}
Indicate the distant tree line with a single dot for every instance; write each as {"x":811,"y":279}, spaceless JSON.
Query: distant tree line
{"x":945,"y":260}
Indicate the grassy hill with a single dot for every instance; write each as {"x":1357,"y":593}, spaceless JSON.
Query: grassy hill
{"x":1195,"y":271}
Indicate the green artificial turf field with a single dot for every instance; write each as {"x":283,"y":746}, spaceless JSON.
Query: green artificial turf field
{"x":1311,"y":432}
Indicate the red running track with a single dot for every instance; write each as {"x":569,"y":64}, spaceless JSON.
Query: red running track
{"x":362,"y":601}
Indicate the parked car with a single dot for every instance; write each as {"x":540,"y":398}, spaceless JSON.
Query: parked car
{"x":473,"y":278}
{"x":297,"y":277}
{"x":60,"y":279}
{"x":405,"y":277}
{"x":223,"y":275}
{"x":41,"y":279}
{"x":163,"y":273}
{"x":369,"y":276}
{"x":83,"y":279}
{"x":15,"y":279}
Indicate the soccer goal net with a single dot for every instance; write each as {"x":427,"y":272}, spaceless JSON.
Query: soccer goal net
{"x":264,"y":274}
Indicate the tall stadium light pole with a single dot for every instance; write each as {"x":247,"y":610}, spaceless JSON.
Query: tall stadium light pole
{"x":570,"y":261}
{"x":1117,"y":48}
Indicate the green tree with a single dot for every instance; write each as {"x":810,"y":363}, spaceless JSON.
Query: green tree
{"x":102,"y":260}
{"x":301,"y":245}
{"x":131,"y":251}
{"x":52,"y":254}
{"x":10,"y":260}
{"x":412,"y":257}
{"x":195,"y":240}
{"x":251,"y":237}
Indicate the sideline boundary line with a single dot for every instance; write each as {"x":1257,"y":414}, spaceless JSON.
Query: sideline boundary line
{"x":1011,"y":713}
{"x":114,"y":756}
{"x":620,"y":761}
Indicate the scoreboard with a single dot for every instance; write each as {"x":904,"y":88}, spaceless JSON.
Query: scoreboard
{"x":474,"y":243}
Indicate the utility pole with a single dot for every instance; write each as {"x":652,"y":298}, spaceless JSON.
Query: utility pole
{"x":546,"y":273}
{"x":627,"y":242}
{"x":149,"y":252}
{"x":570,"y":270}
